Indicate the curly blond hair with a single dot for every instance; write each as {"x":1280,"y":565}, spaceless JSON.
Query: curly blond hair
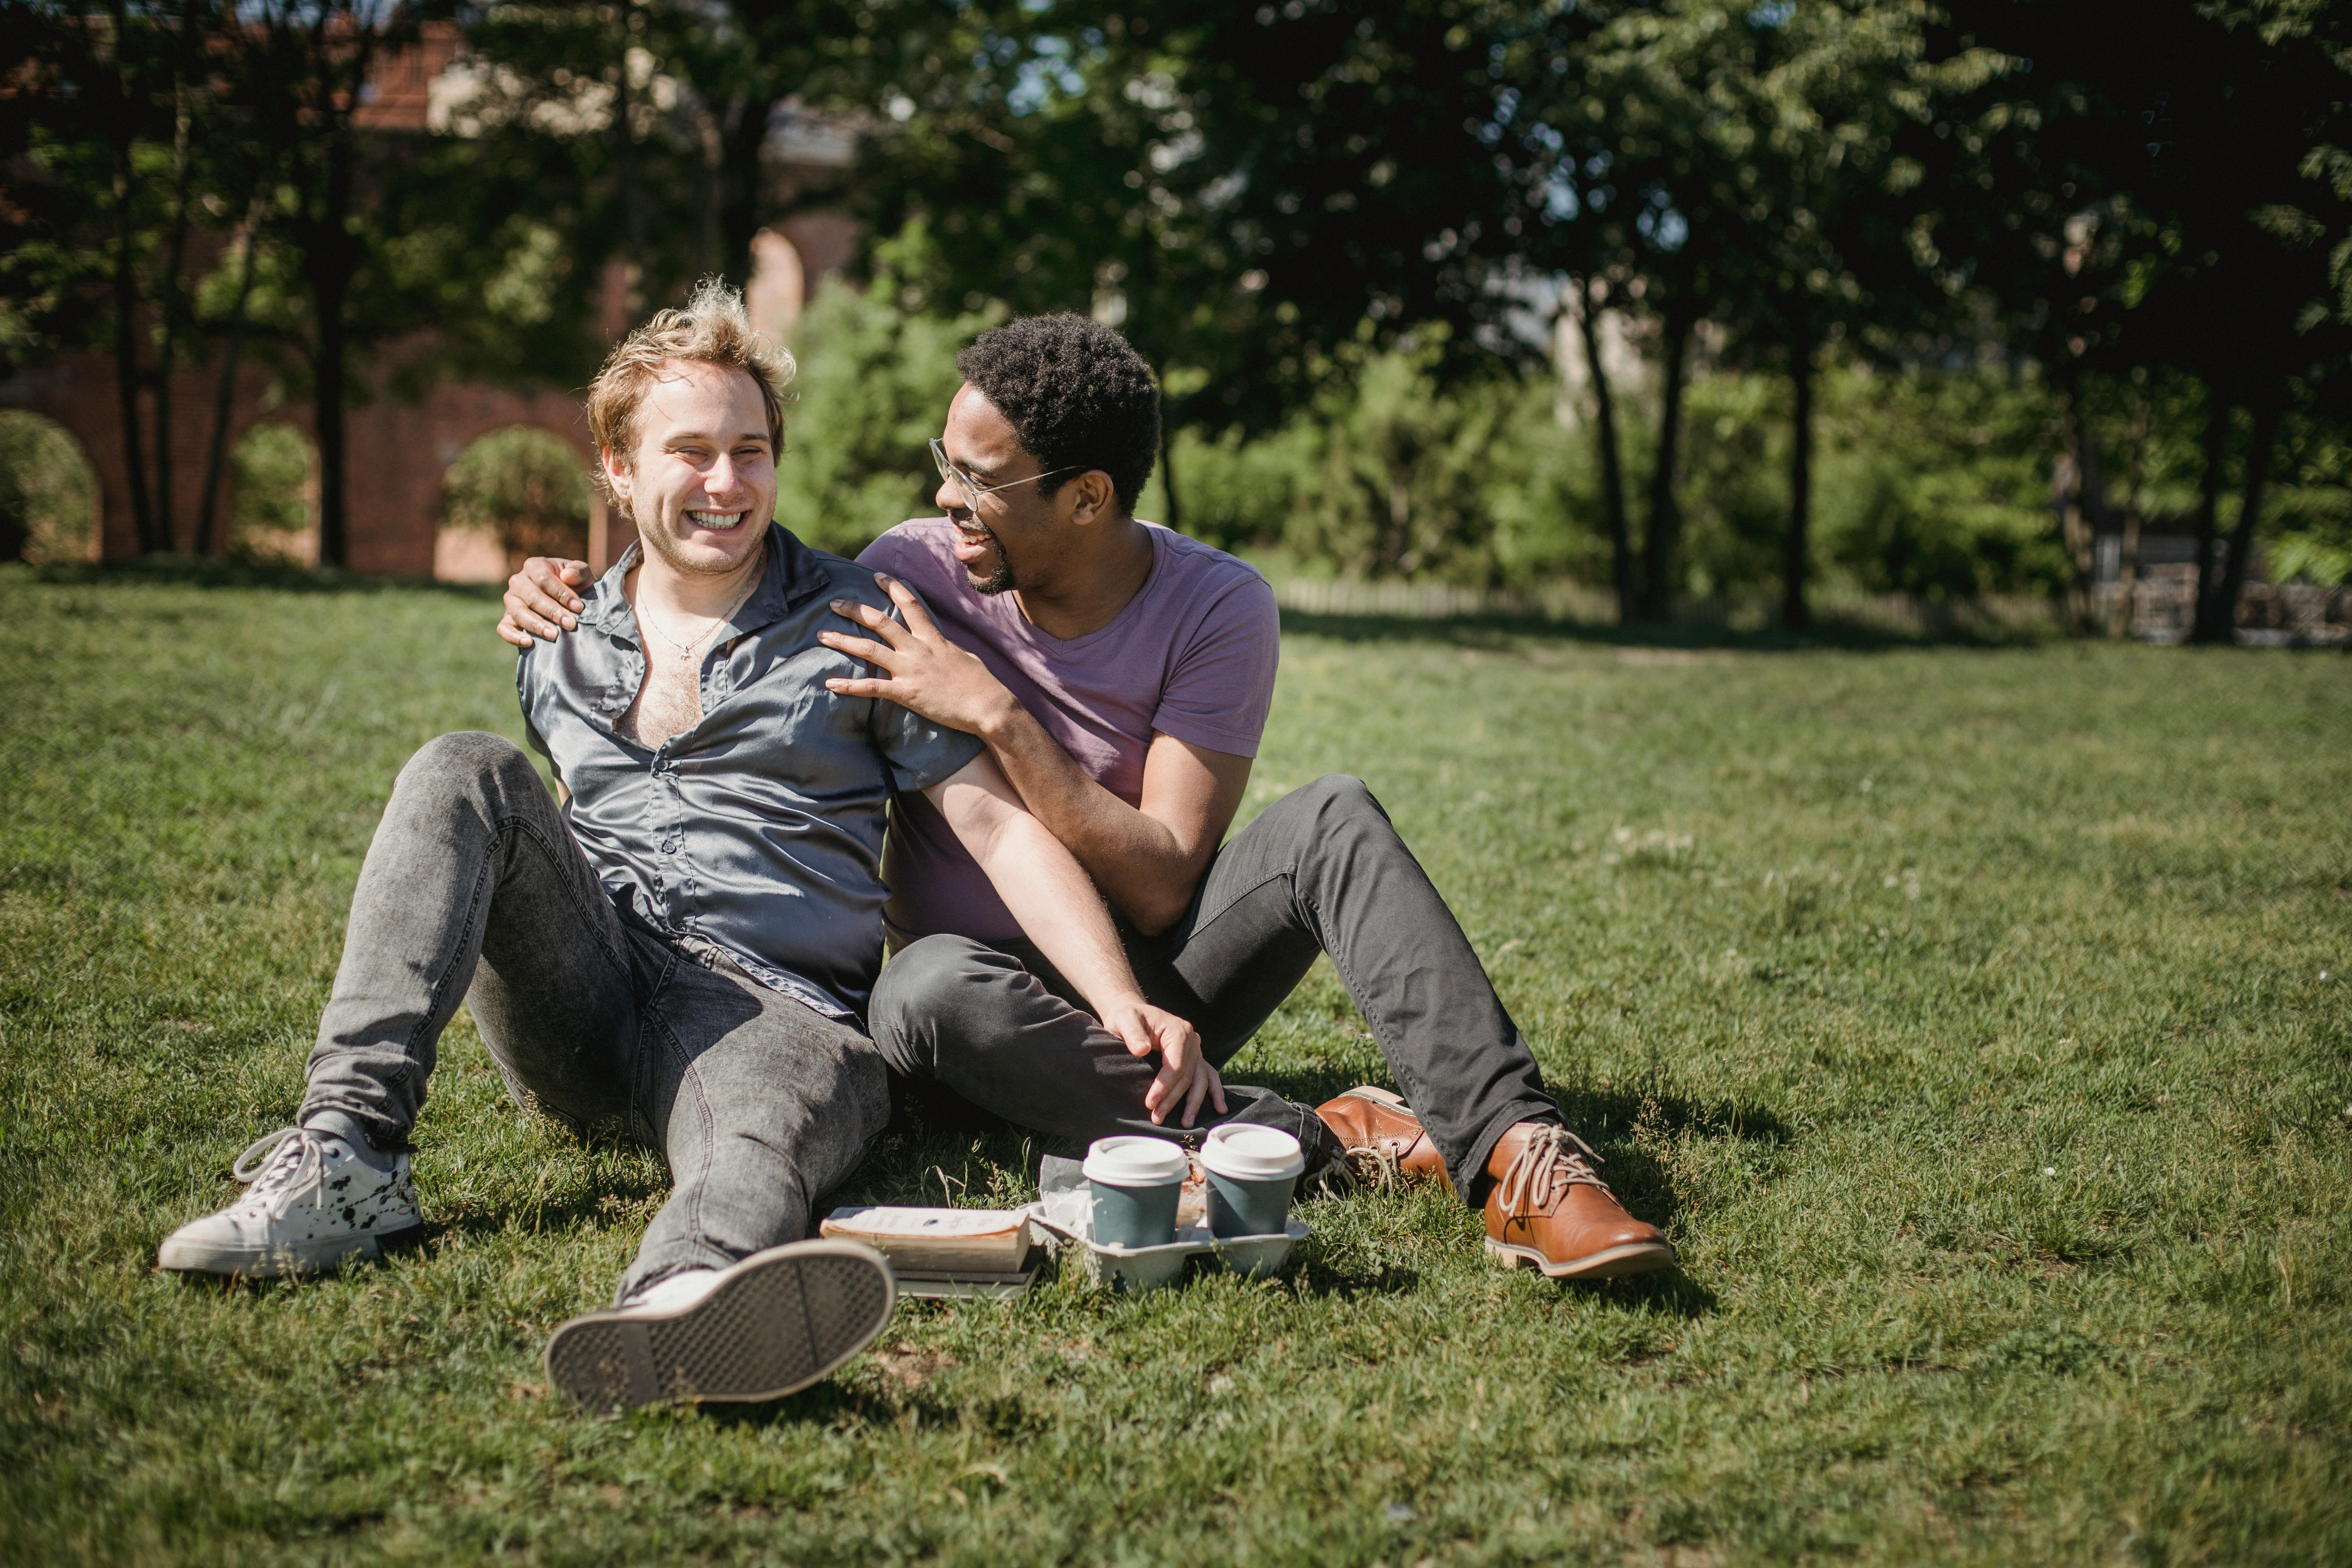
{"x":713,"y":329}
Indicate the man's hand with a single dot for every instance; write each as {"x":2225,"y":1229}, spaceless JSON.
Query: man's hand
{"x":928,"y":674}
{"x":540,"y":601}
{"x":1186,"y":1075}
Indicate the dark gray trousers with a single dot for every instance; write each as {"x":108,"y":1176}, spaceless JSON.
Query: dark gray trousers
{"x":475,"y":889}
{"x":1320,"y":870}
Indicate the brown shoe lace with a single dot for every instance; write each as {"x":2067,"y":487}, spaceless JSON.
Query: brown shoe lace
{"x":1550,"y":1162}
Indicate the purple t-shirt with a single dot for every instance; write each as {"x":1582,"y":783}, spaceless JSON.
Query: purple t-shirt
{"x":1192,"y":656}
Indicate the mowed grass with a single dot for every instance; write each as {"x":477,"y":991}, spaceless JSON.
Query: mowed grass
{"x":1958,"y":1011}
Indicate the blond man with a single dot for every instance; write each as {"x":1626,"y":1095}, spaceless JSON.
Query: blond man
{"x":680,"y":952}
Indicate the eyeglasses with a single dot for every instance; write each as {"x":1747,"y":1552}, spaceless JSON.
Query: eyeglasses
{"x":971,"y":491}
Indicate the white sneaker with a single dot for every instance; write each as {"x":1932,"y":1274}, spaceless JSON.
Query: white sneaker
{"x":770,"y":1326}
{"x":313,"y":1203}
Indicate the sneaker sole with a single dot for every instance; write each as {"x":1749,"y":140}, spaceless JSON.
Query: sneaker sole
{"x":1610,"y":1263}
{"x":180,"y":1256}
{"x":779,"y":1322}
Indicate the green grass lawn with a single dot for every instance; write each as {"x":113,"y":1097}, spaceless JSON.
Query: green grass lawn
{"x":1958,"y":1011}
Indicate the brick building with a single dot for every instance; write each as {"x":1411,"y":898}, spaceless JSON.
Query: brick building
{"x":399,"y":449}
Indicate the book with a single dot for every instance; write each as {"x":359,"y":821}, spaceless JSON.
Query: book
{"x":938,"y":1242}
{"x":945,"y":1287}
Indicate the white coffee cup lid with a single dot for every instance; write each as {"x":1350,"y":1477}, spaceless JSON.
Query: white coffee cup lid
{"x":1251,"y":1153}
{"x":1135,"y":1162}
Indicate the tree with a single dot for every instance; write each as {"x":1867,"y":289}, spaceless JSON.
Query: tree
{"x":2189,"y":211}
{"x":1594,"y":164}
{"x":304,"y":69}
{"x":1245,"y":192}
{"x":1804,"y":109}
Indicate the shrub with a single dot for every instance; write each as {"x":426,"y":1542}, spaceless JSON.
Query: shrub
{"x":48,"y":497}
{"x":273,"y":495}
{"x":525,"y":488}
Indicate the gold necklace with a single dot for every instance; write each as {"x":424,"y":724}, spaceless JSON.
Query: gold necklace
{"x":688,"y":650}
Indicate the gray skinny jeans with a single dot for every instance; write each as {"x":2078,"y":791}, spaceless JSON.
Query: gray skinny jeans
{"x":475,"y":889}
{"x":1320,"y":870}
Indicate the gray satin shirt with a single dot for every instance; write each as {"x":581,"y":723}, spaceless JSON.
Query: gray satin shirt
{"x":760,"y":829}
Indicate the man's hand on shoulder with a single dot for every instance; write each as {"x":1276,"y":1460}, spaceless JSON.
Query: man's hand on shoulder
{"x":926,"y":674}
{"x":541,"y":600}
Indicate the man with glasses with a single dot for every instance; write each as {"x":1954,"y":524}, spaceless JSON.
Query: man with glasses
{"x":1120,"y":675}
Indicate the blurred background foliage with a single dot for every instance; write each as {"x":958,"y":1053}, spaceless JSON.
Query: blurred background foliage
{"x":524,"y":489}
{"x":1683,"y":298}
{"x":48,"y":497}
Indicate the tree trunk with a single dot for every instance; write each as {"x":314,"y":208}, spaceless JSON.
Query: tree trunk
{"x":2250,"y":510}
{"x":743,"y":189}
{"x":167,"y":519}
{"x":2119,"y":624}
{"x":1613,"y":473}
{"x":625,"y":168}
{"x":2208,"y":509}
{"x":330,"y":263}
{"x":127,"y":374}
{"x":327,"y":416}
{"x":2077,"y":510}
{"x":224,"y":404}
{"x":1175,"y":518}
{"x":1794,"y":615}
{"x":1658,"y":546}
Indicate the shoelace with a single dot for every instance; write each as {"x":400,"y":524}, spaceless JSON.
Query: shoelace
{"x":1376,"y":1167}
{"x":1550,"y":1162}
{"x":279,"y":1175}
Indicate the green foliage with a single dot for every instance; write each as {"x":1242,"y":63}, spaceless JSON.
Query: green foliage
{"x":1957,"y":1013}
{"x":1930,"y":482}
{"x":273,"y":492}
{"x":525,"y":488}
{"x":1236,"y":493}
{"x":1401,"y":484}
{"x":1390,"y":474}
{"x":1936,"y":483}
{"x":2309,"y":530}
{"x":48,"y":497}
{"x":1734,"y":493}
{"x":876,"y":375}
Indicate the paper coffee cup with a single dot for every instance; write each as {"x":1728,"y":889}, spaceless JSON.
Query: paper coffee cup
{"x":1135,"y":1183}
{"x":1253,"y":1172}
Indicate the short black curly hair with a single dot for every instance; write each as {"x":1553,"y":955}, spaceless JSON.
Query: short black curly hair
{"x":1078,"y":395}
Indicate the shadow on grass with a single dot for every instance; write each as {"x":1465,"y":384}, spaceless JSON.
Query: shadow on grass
{"x":1670,"y":1290}
{"x":190,"y":571}
{"x":934,"y":1134}
{"x":831,"y":1405}
{"x":566,"y":1211}
{"x":1500,"y":633}
{"x":1009,"y":1416}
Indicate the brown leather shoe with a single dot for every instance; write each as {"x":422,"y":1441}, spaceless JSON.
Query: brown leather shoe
{"x":1549,"y":1208}
{"x":1385,"y":1140}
